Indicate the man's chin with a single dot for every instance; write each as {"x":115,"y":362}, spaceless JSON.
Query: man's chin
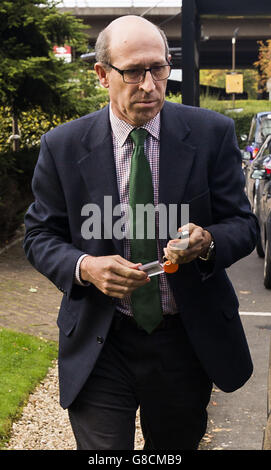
{"x":144,"y":114}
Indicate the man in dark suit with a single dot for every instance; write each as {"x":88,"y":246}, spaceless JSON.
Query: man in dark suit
{"x":110,"y":360}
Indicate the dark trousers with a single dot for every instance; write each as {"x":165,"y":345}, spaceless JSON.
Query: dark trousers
{"x":158,"y":372}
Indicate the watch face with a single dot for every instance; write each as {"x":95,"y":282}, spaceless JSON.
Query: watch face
{"x":209,"y":252}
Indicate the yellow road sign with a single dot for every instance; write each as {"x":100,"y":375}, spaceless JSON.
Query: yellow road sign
{"x":234,"y":83}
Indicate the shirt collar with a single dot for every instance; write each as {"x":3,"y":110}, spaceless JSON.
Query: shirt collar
{"x":122,"y":129}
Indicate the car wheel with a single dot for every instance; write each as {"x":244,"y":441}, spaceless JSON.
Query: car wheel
{"x":267,"y":266}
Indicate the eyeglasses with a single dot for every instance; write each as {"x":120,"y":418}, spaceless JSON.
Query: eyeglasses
{"x":133,"y":76}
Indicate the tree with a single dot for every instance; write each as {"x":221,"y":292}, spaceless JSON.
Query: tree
{"x":30,"y":75}
{"x":263,"y":64}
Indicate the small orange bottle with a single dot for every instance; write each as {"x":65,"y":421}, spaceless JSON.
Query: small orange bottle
{"x":169,"y":267}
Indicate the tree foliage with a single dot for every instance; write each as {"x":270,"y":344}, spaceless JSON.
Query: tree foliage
{"x":30,"y":75}
{"x":264,"y":62}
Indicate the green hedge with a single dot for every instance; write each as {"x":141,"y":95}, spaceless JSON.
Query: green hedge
{"x":242,"y":117}
{"x":16,"y":171}
{"x":16,"y":168}
{"x":32,"y":125}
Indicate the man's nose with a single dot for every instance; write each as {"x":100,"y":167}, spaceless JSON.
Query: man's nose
{"x":148,"y":83}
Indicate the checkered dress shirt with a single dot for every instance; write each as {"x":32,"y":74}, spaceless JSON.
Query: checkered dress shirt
{"x":123,"y":149}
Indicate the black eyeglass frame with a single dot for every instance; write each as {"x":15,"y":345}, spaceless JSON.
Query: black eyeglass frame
{"x":122,"y":72}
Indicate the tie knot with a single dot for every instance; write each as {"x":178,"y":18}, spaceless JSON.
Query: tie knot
{"x":138,"y":136}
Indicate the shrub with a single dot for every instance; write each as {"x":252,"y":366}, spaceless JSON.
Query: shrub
{"x":16,"y":170}
{"x":242,"y":116}
{"x":34,"y":124}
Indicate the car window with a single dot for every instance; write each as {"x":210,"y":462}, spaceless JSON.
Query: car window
{"x":265,"y":128}
{"x":264,"y":152}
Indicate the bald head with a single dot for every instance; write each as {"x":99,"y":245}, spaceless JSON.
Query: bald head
{"x":124,"y":31}
{"x":129,"y":21}
{"x":133,"y":45}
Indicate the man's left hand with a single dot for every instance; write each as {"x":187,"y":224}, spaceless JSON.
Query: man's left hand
{"x":199,"y":242}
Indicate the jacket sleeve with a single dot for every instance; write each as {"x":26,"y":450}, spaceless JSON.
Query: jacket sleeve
{"x":47,"y":242}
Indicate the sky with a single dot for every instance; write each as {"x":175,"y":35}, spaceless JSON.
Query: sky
{"x":120,"y":3}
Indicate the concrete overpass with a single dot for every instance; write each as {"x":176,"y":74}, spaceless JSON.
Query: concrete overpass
{"x":215,"y":36}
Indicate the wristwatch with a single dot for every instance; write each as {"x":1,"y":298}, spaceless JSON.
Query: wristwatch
{"x":210,"y":252}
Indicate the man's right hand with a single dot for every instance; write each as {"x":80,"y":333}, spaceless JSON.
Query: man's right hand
{"x":113,"y":275}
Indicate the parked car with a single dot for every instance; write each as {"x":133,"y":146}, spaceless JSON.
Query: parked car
{"x":260,"y":128}
{"x":260,"y":172}
{"x":251,"y":186}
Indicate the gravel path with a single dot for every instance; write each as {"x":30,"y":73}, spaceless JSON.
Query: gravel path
{"x":44,"y":425}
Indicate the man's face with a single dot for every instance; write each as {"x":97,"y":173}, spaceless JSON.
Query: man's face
{"x":136,"y":103}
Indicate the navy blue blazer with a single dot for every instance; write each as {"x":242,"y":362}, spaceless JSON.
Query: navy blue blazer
{"x":200,"y":165}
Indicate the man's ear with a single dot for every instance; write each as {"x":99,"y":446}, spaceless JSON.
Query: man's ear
{"x":102,"y":74}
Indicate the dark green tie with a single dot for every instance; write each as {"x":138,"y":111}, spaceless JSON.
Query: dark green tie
{"x":146,"y":303}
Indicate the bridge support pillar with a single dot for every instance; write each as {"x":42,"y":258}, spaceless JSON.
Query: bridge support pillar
{"x":190,"y":53}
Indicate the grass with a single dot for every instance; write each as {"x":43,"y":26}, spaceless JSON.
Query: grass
{"x":24,"y":362}
{"x":248,"y":106}
{"x":209,"y":102}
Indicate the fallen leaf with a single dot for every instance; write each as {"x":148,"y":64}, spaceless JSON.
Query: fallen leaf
{"x":221,"y":429}
{"x":33,"y":290}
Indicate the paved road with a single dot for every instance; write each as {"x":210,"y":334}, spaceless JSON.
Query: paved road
{"x":237,"y":420}
{"x":29,"y":302}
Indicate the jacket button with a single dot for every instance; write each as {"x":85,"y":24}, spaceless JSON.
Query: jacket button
{"x":100,"y":339}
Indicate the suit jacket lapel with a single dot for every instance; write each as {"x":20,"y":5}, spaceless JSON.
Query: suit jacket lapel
{"x":176,"y":156}
{"x":98,"y":170}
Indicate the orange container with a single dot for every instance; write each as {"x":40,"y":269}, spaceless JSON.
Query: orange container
{"x":169,"y":267}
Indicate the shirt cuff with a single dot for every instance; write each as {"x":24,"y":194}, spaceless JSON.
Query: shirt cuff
{"x":77,"y":277}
